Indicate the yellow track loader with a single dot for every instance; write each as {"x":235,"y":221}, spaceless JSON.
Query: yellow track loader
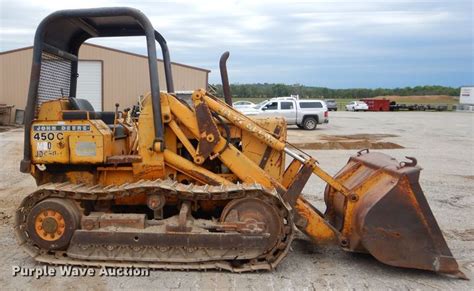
{"x":193,"y":185}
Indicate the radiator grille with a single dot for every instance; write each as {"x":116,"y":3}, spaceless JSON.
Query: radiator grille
{"x":55,"y":78}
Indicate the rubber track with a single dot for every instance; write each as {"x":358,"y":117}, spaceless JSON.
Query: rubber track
{"x":192,"y":192}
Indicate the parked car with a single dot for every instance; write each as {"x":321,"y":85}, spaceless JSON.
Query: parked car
{"x":307,"y":113}
{"x":243,"y":104}
{"x":357,"y":106}
{"x":331,"y":104}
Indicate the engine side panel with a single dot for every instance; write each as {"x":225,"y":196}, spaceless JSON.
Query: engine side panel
{"x":70,"y":142}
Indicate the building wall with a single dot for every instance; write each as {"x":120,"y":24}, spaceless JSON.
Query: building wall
{"x":15,"y":70}
{"x":125,"y":76}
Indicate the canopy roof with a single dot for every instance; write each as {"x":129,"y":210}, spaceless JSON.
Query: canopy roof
{"x":68,"y":29}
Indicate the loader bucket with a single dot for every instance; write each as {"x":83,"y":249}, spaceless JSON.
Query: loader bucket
{"x":388,"y":215}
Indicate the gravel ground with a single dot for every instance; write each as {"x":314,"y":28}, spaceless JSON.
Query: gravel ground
{"x":442,"y":142}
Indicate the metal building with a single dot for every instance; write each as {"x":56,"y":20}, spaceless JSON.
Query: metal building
{"x":106,"y":76}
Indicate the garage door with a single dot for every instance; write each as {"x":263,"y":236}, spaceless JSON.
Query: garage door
{"x":89,"y":82}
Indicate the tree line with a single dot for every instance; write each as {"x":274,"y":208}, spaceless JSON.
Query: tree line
{"x":266,"y":90}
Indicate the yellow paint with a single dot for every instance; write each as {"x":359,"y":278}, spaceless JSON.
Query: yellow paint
{"x":152,"y":166}
{"x":243,"y":122}
{"x":86,"y":149}
{"x":94,"y":145}
{"x":254,"y":148}
{"x":52,"y":110}
{"x":290,"y":173}
{"x":182,"y":138}
{"x":50,"y":140}
{"x":246,"y":169}
{"x":199,"y":173}
{"x":317,"y":227}
{"x":116,"y":175}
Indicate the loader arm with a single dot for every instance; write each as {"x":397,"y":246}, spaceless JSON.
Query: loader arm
{"x":311,"y":221}
{"x":374,"y":205}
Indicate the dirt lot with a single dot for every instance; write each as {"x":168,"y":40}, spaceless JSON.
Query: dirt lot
{"x":442,"y":142}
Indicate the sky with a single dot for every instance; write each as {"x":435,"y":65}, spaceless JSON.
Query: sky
{"x":332,"y":43}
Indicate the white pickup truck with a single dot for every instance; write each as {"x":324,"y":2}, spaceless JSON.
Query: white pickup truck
{"x":305,"y":113}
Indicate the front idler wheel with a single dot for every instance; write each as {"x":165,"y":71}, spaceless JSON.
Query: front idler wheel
{"x":52,"y":222}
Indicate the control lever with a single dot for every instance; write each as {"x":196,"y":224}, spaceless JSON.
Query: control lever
{"x":115,"y":120}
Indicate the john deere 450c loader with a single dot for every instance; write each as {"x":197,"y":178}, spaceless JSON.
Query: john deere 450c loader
{"x":197,"y":186}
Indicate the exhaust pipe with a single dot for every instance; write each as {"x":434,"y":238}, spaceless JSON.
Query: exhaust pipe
{"x":225,"y":78}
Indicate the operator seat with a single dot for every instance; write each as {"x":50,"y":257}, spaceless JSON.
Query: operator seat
{"x":83,"y":107}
